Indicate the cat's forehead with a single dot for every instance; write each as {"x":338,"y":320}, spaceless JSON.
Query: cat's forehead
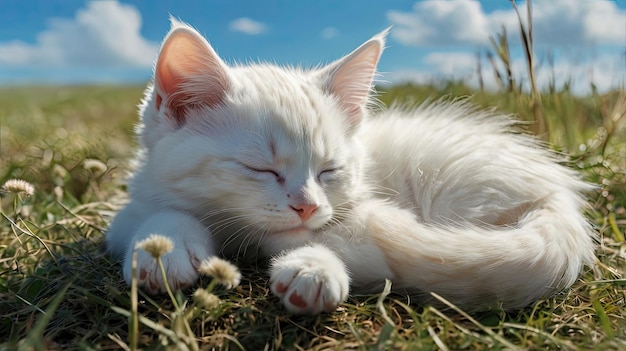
{"x":290,"y":135}
{"x":290,"y":100}
{"x":291,"y":114}
{"x":283,"y":87}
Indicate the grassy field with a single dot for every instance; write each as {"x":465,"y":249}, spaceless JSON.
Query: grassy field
{"x":59,"y":290}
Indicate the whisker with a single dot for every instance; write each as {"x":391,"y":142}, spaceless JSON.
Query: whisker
{"x":245,"y":242}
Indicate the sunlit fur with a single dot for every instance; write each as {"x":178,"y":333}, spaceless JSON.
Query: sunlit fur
{"x":441,"y":198}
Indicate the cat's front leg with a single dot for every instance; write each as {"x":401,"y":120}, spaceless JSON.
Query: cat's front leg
{"x":310,"y":279}
{"x":192,"y":245}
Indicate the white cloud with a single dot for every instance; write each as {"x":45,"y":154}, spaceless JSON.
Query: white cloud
{"x":247,"y":26}
{"x":597,"y":22}
{"x":440,"y":22}
{"x":451,"y":64}
{"x":555,"y":22}
{"x":103,"y":34}
{"x":329,"y":33}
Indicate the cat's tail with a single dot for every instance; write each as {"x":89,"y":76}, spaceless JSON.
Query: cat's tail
{"x":478,"y":267}
{"x":477,"y":213}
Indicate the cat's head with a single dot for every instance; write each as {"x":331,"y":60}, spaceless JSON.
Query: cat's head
{"x":260,"y":149}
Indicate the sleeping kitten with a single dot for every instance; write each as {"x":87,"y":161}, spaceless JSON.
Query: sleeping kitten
{"x":290,"y":164}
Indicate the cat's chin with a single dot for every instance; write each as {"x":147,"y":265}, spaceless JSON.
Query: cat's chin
{"x":281,"y":240}
{"x":296,"y":231}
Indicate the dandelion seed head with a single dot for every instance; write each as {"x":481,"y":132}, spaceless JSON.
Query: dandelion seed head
{"x":156,"y":245}
{"x":222,"y":271}
{"x":205,"y":299}
{"x":19,"y":187}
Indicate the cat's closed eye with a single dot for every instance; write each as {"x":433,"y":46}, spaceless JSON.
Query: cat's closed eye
{"x":327,"y":175}
{"x":263,"y":172}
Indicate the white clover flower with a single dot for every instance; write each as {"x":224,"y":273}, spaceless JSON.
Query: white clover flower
{"x":19,"y":187}
{"x":222,"y":271}
{"x":205,"y":299}
{"x":156,"y":245}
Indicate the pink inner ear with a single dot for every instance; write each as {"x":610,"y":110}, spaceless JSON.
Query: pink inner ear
{"x":352,"y":79}
{"x":188,"y":73}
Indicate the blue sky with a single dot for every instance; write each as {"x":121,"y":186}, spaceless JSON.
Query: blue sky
{"x":72,"y":41}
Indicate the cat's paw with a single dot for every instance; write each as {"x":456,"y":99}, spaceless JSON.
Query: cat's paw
{"x":310,"y":280}
{"x":180,"y":265}
{"x":191,"y":245}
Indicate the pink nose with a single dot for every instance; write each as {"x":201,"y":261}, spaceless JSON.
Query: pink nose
{"x":305,"y":211}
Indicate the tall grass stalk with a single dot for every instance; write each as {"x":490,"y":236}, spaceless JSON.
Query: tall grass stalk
{"x":501,"y":47}
{"x":526,"y":33}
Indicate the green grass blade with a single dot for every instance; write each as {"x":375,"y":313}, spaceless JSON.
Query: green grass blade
{"x":614,"y":228}
{"x":604,"y":319}
{"x":35,"y":336}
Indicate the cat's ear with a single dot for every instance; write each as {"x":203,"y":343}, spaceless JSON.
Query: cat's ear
{"x":188,"y":73}
{"x":350,"y":78}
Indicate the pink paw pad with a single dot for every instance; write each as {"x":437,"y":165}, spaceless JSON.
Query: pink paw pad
{"x":281,"y":288}
{"x":297,"y":300}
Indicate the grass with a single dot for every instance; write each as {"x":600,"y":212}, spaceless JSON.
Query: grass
{"x":59,"y":290}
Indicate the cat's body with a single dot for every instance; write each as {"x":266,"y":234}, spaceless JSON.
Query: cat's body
{"x":286,"y":164}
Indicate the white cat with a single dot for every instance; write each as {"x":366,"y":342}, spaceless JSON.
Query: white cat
{"x":289,"y":164}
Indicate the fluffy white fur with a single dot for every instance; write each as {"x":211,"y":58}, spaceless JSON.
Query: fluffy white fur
{"x":284,"y":163}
